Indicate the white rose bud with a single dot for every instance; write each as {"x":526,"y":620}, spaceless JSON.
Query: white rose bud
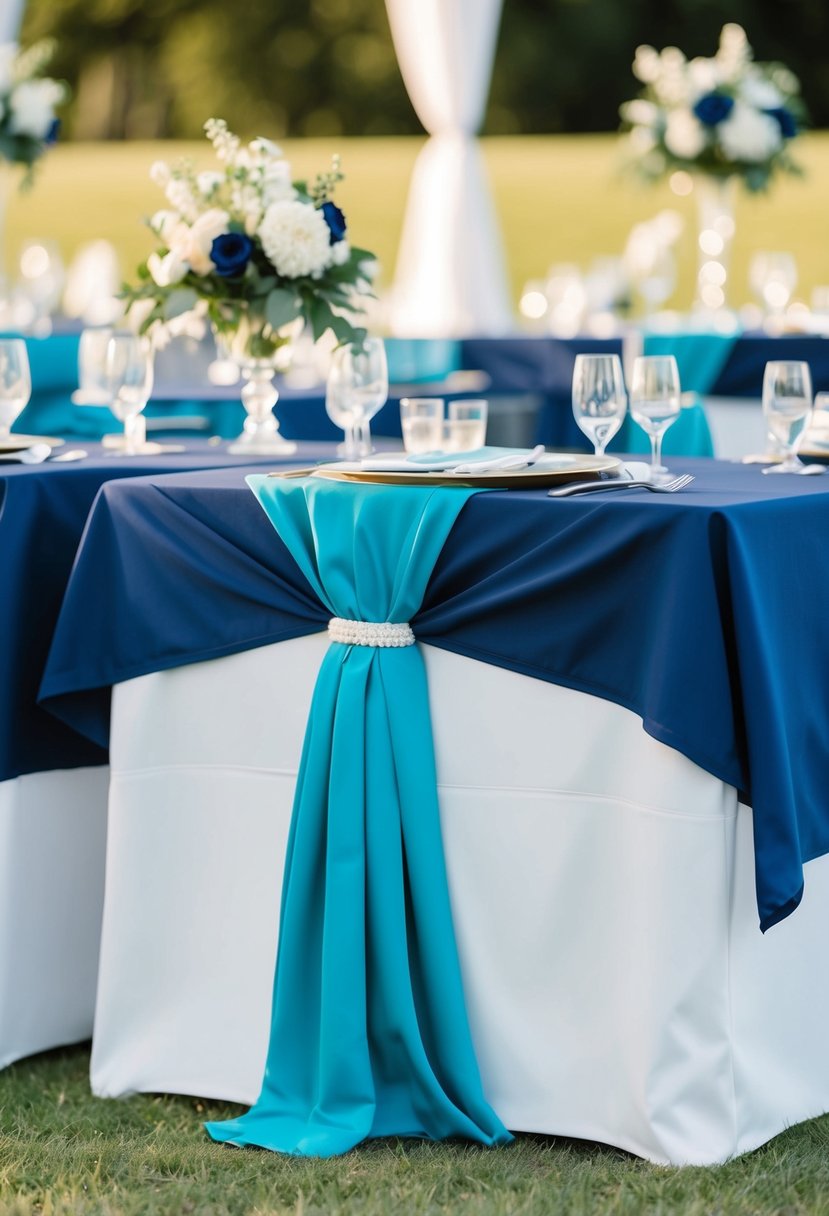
{"x":203,"y":233}
{"x":160,"y":173}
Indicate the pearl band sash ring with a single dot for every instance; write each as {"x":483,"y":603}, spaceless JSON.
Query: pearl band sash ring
{"x":370,"y":633}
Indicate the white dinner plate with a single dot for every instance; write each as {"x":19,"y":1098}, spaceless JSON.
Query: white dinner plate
{"x":16,"y":443}
{"x":555,"y":469}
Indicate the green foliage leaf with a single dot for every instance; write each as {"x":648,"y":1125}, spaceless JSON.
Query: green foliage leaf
{"x":282,"y":307}
{"x":322,"y":317}
{"x":179,"y":301}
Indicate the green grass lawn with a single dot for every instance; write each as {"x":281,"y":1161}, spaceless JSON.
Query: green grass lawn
{"x":559,"y":198}
{"x":63,"y":1152}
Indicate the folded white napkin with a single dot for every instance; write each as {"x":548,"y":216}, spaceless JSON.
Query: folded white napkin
{"x":637,"y":470}
{"x":428,"y":462}
{"x":481,"y":460}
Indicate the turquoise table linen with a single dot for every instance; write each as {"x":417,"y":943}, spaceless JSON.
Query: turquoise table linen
{"x":369,"y":1033}
{"x":413,"y":360}
{"x":700,"y":358}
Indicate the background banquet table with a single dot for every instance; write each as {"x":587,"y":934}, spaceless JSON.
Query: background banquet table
{"x":670,"y":612}
{"x":52,"y":788}
{"x":527,"y":379}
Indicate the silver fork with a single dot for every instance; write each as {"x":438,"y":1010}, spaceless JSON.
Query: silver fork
{"x":590,"y":487}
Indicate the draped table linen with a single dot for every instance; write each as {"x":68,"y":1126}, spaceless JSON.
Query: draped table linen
{"x":704,"y":613}
{"x":369,"y":1034}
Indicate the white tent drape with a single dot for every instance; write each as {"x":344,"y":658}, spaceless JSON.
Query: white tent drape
{"x":11,"y":15}
{"x":450,"y":273}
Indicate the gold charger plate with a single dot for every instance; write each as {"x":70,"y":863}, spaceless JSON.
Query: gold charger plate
{"x":568,"y":468}
{"x":16,"y":443}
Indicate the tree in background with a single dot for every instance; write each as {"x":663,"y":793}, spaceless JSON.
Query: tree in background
{"x":157,"y":68}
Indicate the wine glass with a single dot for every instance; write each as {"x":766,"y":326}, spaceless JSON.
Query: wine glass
{"x":787,"y":407}
{"x":93,"y":385}
{"x":15,"y":383}
{"x":655,"y":402}
{"x":358,"y":385}
{"x":599,"y":398}
{"x":340,"y":413}
{"x":128,"y":367}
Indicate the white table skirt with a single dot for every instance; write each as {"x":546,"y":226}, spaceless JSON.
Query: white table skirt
{"x":602,"y":887}
{"x":52,"y":845}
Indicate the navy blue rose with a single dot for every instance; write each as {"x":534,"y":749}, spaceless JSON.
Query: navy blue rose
{"x":713,"y":108}
{"x":51,"y":135}
{"x":230,"y":254}
{"x":785,"y":120}
{"x":335,"y":220}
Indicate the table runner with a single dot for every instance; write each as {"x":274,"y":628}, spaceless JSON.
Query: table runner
{"x":705,"y":613}
{"x":369,"y":1035}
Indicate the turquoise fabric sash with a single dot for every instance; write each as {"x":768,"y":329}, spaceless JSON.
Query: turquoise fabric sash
{"x":700,"y":358}
{"x":369,"y":1034}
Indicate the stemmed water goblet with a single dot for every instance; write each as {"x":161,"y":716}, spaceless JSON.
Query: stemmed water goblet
{"x":15,"y":383}
{"x":599,"y":398}
{"x":655,"y":402}
{"x":358,"y":385}
{"x":787,"y":408}
{"x":128,"y":371}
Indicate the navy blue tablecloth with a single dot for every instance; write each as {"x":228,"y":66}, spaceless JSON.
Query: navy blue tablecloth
{"x":706,"y":613}
{"x":43,"y":510}
{"x":543,"y":366}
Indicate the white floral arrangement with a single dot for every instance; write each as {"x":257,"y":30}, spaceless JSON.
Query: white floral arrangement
{"x":728,"y":116}
{"x":28,"y":100}
{"x":249,"y":250}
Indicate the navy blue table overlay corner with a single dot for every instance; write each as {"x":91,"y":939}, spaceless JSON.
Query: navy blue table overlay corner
{"x":705,"y":613}
{"x":43,"y":511}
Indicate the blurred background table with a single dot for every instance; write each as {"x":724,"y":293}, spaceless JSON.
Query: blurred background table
{"x":526,"y":379}
{"x":52,"y":789}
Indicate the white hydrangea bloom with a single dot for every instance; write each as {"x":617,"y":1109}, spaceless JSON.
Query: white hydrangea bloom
{"x":684,"y":135}
{"x":32,"y":107}
{"x":295,"y":238}
{"x":747,"y":135}
{"x":756,"y":91}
